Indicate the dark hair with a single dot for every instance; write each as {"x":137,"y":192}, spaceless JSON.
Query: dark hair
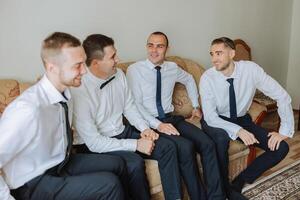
{"x":94,"y":46}
{"x":224,"y":40}
{"x":53,"y":44}
{"x":161,"y":33}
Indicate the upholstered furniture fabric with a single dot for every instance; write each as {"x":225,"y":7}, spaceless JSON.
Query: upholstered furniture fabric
{"x":10,"y":89}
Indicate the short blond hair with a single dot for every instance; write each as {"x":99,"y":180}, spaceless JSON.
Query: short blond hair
{"x":52,"y":45}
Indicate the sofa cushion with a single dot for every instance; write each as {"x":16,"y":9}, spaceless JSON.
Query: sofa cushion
{"x":9,"y":90}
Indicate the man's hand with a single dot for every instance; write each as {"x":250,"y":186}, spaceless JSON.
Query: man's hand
{"x":145,"y":146}
{"x":274,"y":140}
{"x":149,"y":134}
{"x":196,"y":113}
{"x":247,"y":137}
{"x":168,"y":129}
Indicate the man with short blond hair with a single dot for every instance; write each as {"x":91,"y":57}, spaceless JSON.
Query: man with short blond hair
{"x":36,"y":136}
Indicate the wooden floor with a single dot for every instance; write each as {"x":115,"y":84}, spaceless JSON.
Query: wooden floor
{"x":271,"y":122}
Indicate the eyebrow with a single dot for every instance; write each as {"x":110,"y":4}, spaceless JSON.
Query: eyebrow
{"x":215,"y":52}
{"x":159,"y":44}
{"x":78,"y":63}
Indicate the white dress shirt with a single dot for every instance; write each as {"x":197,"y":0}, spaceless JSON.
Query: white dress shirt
{"x":248,"y":76}
{"x":98,"y":113}
{"x":32,"y":135}
{"x":141,"y":78}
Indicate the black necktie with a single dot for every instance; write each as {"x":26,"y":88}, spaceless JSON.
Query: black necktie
{"x":106,"y":82}
{"x":160,"y":110}
{"x":232,"y":101}
{"x":69,"y":138}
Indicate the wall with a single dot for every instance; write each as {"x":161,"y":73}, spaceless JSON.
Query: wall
{"x":294,"y":57}
{"x":190,"y":25}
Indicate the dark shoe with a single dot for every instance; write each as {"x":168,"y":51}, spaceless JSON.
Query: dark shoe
{"x":238,"y":184}
{"x":233,"y":195}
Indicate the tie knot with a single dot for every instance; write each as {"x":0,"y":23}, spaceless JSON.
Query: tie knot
{"x":63,"y":103}
{"x":158,"y":68}
{"x":230,"y":80}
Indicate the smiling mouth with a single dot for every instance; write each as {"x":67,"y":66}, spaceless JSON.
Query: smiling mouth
{"x":154,"y":55}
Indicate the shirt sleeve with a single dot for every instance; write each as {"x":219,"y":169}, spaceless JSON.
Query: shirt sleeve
{"x":273,"y":89}
{"x":18,"y":126}
{"x":135,"y":87}
{"x":85,"y":126}
{"x":190,"y":84}
{"x":131,"y":112}
{"x":209,"y":108}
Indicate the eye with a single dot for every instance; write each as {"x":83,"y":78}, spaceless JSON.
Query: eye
{"x":78,"y":65}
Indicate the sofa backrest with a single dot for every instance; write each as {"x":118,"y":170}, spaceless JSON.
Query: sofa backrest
{"x":182,"y":103}
{"x":10,"y":89}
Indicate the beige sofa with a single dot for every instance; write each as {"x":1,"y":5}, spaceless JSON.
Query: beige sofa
{"x":239,"y":153}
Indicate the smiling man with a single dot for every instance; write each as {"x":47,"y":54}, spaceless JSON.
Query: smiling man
{"x":36,"y":136}
{"x":152,"y":82}
{"x":100,"y":104}
{"x":227,"y":91}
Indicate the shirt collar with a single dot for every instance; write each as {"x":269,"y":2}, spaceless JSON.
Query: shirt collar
{"x":97,"y":81}
{"x":152,"y":66}
{"x":234,"y":75}
{"x":52,"y":93}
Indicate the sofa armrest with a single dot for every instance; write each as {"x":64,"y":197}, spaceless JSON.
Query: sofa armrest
{"x":257,"y":112}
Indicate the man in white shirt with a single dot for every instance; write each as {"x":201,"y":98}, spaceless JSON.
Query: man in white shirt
{"x":99,"y":106}
{"x":227,"y":91}
{"x":36,"y":137}
{"x":152,"y":83}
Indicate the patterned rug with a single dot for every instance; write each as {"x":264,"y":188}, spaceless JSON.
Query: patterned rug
{"x":284,"y":184}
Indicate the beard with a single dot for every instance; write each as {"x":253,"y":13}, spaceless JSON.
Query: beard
{"x":223,"y":67}
{"x":75,"y":82}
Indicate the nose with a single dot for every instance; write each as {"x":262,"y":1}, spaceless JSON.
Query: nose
{"x":154,"y":49}
{"x":83,"y":69}
{"x":213,"y":58}
{"x":117,"y":59}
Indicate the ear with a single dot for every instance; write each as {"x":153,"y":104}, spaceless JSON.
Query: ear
{"x":51,"y":67}
{"x":94,"y":63}
{"x":232,"y":53}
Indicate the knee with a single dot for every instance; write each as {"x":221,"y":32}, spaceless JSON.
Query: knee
{"x":187,"y":148}
{"x":138,"y":164}
{"x":208,"y":148}
{"x":283,"y":149}
{"x":222,"y":140}
{"x":113,"y":187}
{"x":168,"y":147}
{"x":119,"y":165}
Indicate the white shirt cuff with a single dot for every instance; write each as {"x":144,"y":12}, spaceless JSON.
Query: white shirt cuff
{"x":131,"y":144}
